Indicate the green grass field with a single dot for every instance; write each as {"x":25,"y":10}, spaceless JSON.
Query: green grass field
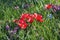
{"x":47,"y":30}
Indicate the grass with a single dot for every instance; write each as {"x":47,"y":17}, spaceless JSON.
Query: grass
{"x":48,"y":30}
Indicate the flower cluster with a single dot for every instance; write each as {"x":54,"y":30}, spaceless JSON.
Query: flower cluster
{"x":28,"y":18}
{"x":54,"y":7}
{"x":48,"y":6}
{"x":11,"y":31}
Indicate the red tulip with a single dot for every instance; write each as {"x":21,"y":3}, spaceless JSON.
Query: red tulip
{"x":48,"y":6}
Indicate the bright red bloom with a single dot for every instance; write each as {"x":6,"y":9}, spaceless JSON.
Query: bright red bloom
{"x":21,"y":21}
{"x":23,"y":26}
{"x":41,"y":20}
{"x":48,"y":6}
{"x":25,"y":15}
{"x":22,"y":18}
{"x":30,"y":20}
{"x":34,"y":15}
{"x":38,"y":17}
{"x":28,"y":17}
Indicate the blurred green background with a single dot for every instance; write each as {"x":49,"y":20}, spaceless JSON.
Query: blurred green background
{"x":48,"y":30}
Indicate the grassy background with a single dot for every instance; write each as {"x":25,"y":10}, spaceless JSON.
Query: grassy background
{"x":48,"y":30}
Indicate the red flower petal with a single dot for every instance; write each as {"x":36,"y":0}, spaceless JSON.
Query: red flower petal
{"x":40,"y":16}
{"x":41,"y":20}
{"x":35,"y":15}
{"x":25,"y":15}
{"x":48,"y":6}
{"x":22,"y":21}
{"x":23,"y":26}
{"x":30,"y":20}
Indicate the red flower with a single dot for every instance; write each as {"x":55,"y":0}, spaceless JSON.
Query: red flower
{"x":48,"y":6}
{"x":21,"y":21}
{"x":25,"y":15}
{"x":23,"y":26}
{"x":28,"y":17}
{"x":34,"y":15}
{"x":41,"y":20}
{"x":30,"y":20}
{"x":38,"y":17}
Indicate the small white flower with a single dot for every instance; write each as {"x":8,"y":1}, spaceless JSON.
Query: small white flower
{"x":16,"y":7}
